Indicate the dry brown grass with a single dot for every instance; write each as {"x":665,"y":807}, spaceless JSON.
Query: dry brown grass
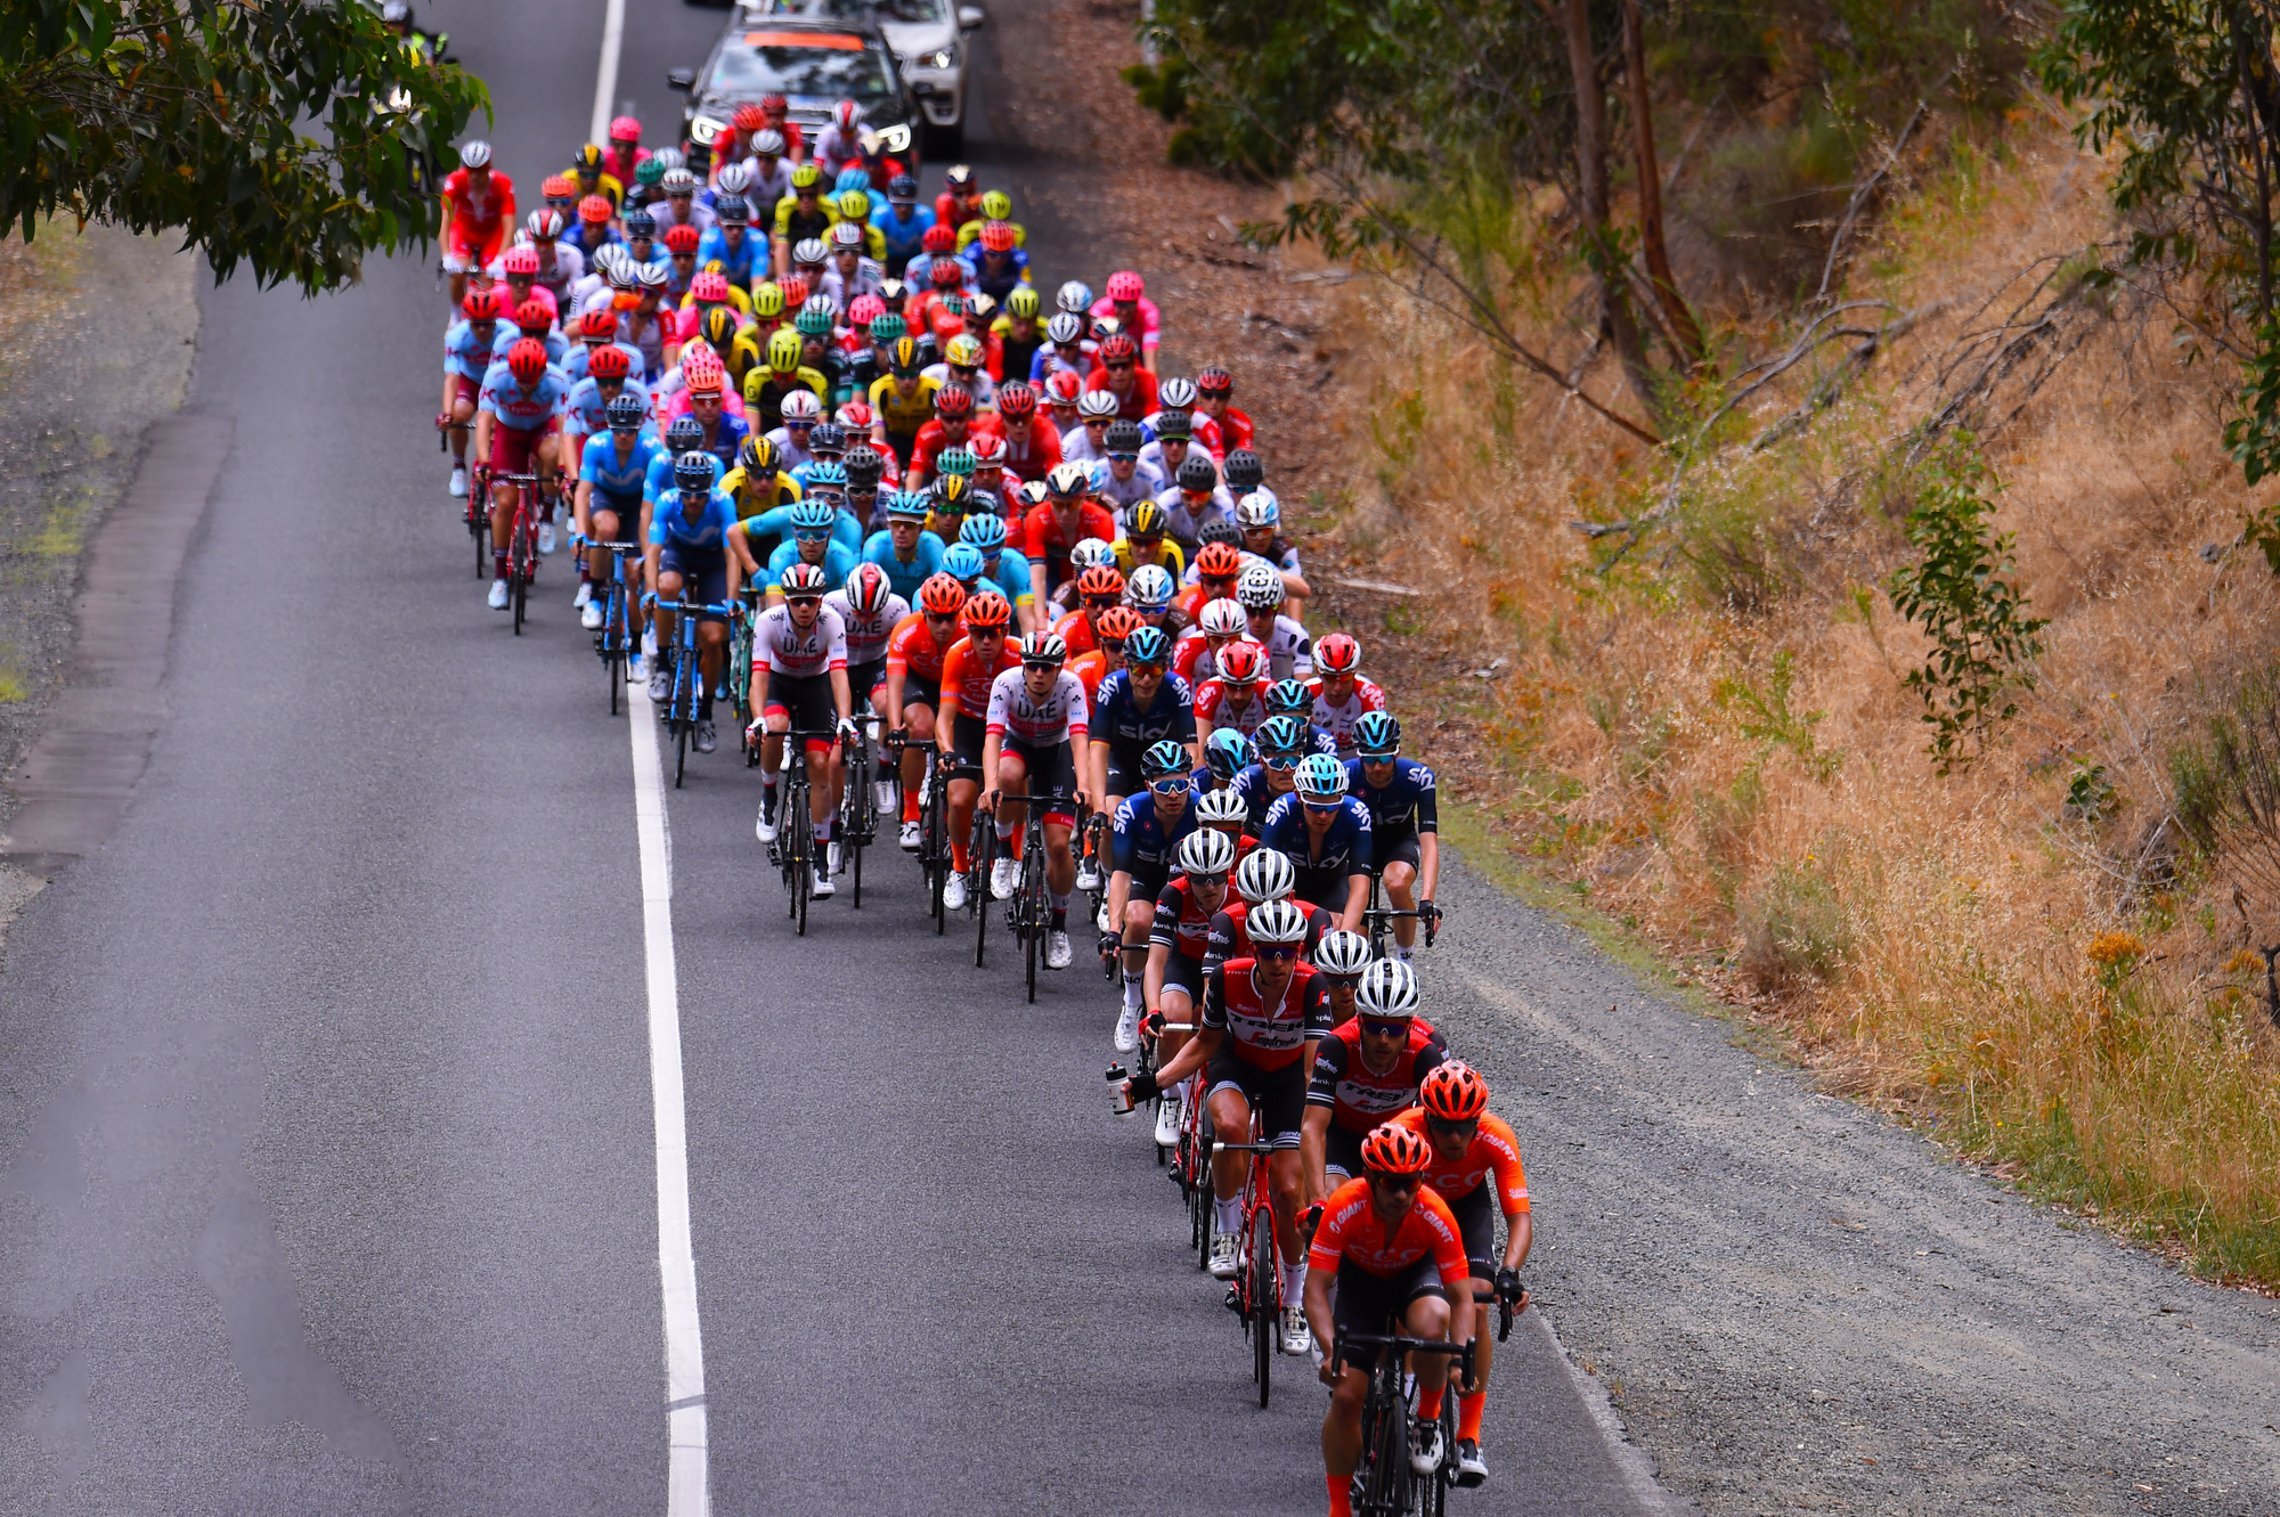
{"x":1923,"y":939}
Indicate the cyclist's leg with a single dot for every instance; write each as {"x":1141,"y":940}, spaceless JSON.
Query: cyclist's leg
{"x":1282,"y":1105}
{"x":1011,"y":779}
{"x":966,"y":753}
{"x":1360,"y":1303}
{"x":918,"y":716}
{"x":465,"y":393}
{"x":510,"y":454}
{"x":1475,"y":1215}
{"x":542,"y":464}
{"x":669,"y":583}
{"x":1427,"y":1316}
{"x":1053,"y":772}
{"x":1230,"y":1109}
{"x":1399,"y":879}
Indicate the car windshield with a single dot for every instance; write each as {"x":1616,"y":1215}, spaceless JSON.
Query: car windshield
{"x":911,"y":11}
{"x":844,"y":69}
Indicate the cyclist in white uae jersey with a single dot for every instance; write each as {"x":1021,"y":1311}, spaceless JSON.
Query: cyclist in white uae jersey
{"x":868,"y":605}
{"x":799,"y":683}
{"x":1037,"y":724}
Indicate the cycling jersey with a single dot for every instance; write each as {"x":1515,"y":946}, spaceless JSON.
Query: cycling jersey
{"x":1009,"y":571}
{"x":1257,"y":793}
{"x":867,"y":636}
{"x":903,"y":415}
{"x":780,"y":647}
{"x":1265,"y":1034}
{"x":659,"y":485}
{"x":1341,"y":719}
{"x":578,"y":363}
{"x":1034,"y":456}
{"x":1076,"y":630}
{"x":1168,"y":557}
{"x":767,"y":394}
{"x":1350,"y":1233}
{"x":795,"y":226}
{"x":508,"y":334}
{"x":997,"y":276}
{"x":967,"y":686}
{"x":1344,"y":850}
{"x":1360,"y":1097}
{"x":1186,"y":522}
{"x":525,"y":409}
{"x":912,"y":651}
{"x":670,"y":525}
{"x":1142,"y":844}
{"x":755,"y":496}
{"x":934,"y":437}
{"x":1180,"y":923}
{"x":1493,"y":1151}
{"x":1212,"y":705}
{"x":1193,"y":658}
{"x":954,"y":212}
{"x":1042,"y":539}
{"x":1133,"y":403}
{"x":925,"y":561}
{"x":466,"y":354}
{"x":1058,"y":718}
{"x":904,"y":234}
{"x":837,"y":563}
{"x":1403,"y":809}
{"x":590,"y":411}
{"x":842,"y":289}
{"x":1201,"y":428}
{"x":1226,"y":937}
{"x":978,"y":384}
{"x":617,"y":477}
{"x":1120,"y":721}
{"x":1145,"y":482}
{"x":1151,"y":323}
{"x":476,"y":219}
{"x":1290,"y":650}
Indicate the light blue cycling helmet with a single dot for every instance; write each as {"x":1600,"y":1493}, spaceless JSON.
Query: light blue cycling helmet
{"x":964,"y":563}
{"x":813,"y":516}
{"x":1320,"y":780}
{"x":1227,"y":752}
{"x":984,"y":531}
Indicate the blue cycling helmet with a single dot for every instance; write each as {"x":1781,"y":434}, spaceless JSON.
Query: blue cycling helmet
{"x":685,"y":433}
{"x":813,"y":516}
{"x":825,"y":474}
{"x":985,"y":531}
{"x":851,"y":178}
{"x":640,"y":224}
{"x":1377,"y":735}
{"x":694,"y":470}
{"x":626,"y":413}
{"x":1289,"y":697}
{"x":1320,"y":779}
{"x":1148,"y":646}
{"x":1163,"y":759}
{"x":1227,"y":752}
{"x":910,"y":505}
{"x":1282,"y":735}
{"x":964,"y":563}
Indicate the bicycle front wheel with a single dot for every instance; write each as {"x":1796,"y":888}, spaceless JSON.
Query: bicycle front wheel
{"x":978,"y":897}
{"x":1265,"y":1298}
{"x":1386,"y":1474}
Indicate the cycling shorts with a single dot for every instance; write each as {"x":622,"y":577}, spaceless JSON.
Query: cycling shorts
{"x":807,"y":701}
{"x":1405,"y":851}
{"x":1475,"y":1212}
{"x":1342,"y":1152}
{"x":465,"y":249}
{"x":469,"y":390}
{"x":703,"y":571}
{"x":1186,"y":974}
{"x":1121,"y":781}
{"x":967,"y":745}
{"x":1053,"y":772}
{"x":1326,"y":888}
{"x":1278,"y":1096}
{"x":920,"y":691}
{"x":513,"y":449}
{"x":1367,"y":1303}
{"x":626,"y":508}
{"x":864,"y":678}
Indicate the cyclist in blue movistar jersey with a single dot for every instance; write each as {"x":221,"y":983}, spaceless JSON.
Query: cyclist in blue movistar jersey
{"x":608,"y":508}
{"x":1404,"y":819}
{"x":688,"y":553}
{"x":811,"y":543}
{"x":1137,"y":706}
{"x":685,"y":434}
{"x":732,"y":243}
{"x":1007,"y":568}
{"x":902,"y":222}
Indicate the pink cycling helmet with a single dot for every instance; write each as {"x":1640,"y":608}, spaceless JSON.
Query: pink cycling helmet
{"x":1126,"y":285}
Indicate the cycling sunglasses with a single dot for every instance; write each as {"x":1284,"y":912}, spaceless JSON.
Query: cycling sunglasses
{"x":1378,"y":760}
{"x":1040,"y":668}
{"x":814,"y":537}
{"x":800,"y":424}
{"x":1170,"y":784}
{"x":1151,"y":539}
{"x":1126,"y":364}
{"x":1276,"y":951}
{"x":1124,"y":458}
{"x":1102,"y":602}
{"x":1218,"y":579}
{"x":1380,"y":1027}
{"x":1342,"y":981}
{"x":1324,"y":808}
{"x":1100,"y":422}
{"x":1206,"y":881}
{"x":1113,"y":645}
{"x":1279,"y":760}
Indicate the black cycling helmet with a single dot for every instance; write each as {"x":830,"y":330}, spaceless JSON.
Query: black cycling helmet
{"x":865,"y":466}
{"x":1245,"y":472}
{"x":626,"y":413}
{"x":827,"y":437}
{"x":693,"y":470}
{"x":685,"y":433}
{"x":1174,"y":425}
{"x":1197,"y":473}
{"x":1122,"y":437}
{"x":1220,"y":532}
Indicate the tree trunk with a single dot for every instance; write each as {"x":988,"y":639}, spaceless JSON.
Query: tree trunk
{"x":1685,"y":331}
{"x":1599,"y":247}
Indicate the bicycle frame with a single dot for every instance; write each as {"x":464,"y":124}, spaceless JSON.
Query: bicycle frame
{"x":1386,"y":1485}
{"x":1255,"y":1294}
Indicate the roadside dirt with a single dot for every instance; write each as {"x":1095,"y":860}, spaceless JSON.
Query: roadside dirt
{"x":1794,"y":1304}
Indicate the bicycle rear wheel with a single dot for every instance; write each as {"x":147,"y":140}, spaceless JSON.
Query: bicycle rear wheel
{"x":978,"y":897}
{"x":1265,"y":1299}
{"x":934,"y":854}
{"x":520,"y":587}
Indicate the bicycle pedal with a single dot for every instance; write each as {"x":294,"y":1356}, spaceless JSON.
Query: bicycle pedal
{"x":1234,"y":1301}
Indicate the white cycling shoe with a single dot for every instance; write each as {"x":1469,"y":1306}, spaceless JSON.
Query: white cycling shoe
{"x":591,"y":616}
{"x":1128,"y":1029}
{"x":823,"y":886}
{"x":546,"y":537}
{"x":764,"y":825}
{"x":585,"y":595}
{"x":1005,"y":875}
{"x":498,"y":597}
{"x":1169,"y":1115}
{"x":1057,"y":951}
{"x":954,"y":892}
{"x":1088,"y":875}
{"x":1425,"y":1447}
{"x":1297,"y":1337}
{"x":910,"y":837}
{"x":458,"y":486}
{"x":660,"y":684}
{"x":1472,"y":1470}
{"x":1226,"y":1255}
{"x":883,"y":795}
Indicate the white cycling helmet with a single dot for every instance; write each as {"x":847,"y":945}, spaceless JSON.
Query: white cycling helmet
{"x":735,"y":178}
{"x":1177,"y":394}
{"x":1276,"y":921}
{"x":1096,"y":404}
{"x":1091,"y":553}
{"x":1259,"y":587}
{"x":767,"y":143}
{"x":475,"y":154}
{"x":1266,"y":875}
{"x":1388,"y":989}
{"x":802,"y":405}
{"x":1342,"y":953}
{"x":1149,"y":588}
{"x":1075,"y":297}
{"x":1222,"y":805}
{"x":1222,"y":618}
{"x":1260,"y":508}
{"x":1206,"y":852}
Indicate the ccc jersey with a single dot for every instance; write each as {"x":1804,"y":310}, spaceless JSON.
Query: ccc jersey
{"x":911,"y":651}
{"x":1351,"y":1233}
{"x":1493,"y":1152}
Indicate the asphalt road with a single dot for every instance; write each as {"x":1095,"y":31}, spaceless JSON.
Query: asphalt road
{"x":327,"y":1178}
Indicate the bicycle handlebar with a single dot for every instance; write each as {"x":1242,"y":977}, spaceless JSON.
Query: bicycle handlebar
{"x":1402,"y":1344}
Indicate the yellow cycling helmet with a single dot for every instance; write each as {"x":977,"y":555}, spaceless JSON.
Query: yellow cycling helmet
{"x":806,"y":177}
{"x":719,"y":326}
{"x":1147,"y":520}
{"x":757,"y":456}
{"x":997,"y":205}
{"x":588,"y":161}
{"x":1023,"y":302}
{"x":951,"y":494}
{"x":784,"y":350}
{"x":904,"y":356}
{"x":855,"y":206}
{"x":713,"y":266}
{"x":964,"y":351}
{"x":768,"y":300}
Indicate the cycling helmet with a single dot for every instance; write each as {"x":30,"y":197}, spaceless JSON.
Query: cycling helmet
{"x":1258,"y":509}
{"x":1198,"y":474}
{"x":1320,"y":780}
{"x":1150,"y":587}
{"x":1453,"y":1091}
{"x":956,"y":462}
{"x":693,"y":470}
{"x":802,"y":405}
{"x":526,"y":360}
{"x":650,"y":276}
{"x":944,"y":274}
{"x":1342,"y":953}
{"x":1284,"y":736}
{"x":682,"y":238}
{"x":1206,"y":852}
{"x":1212,"y":379}
{"x":756,"y":455}
{"x":1147,"y":647}
{"x":735,"y":178}
{"x":475,"y":154}
{"x":1177,"y":395}
{"x":1090,"y":553}
{"x":1265,"y":875}
{"x":650,"y":171}
{"x":1075,"y":297}
{"x":865,"y":466}
{"x":939,"y":238}
{"x":1023,"y":302}
{"x":964,"y":351}
{"x":963,"y":563}
{"x":686,"y":432}
{"x":810,"y":252}
{"x":767,"y":300}
{"x":1219,"y":561}
{"x":888,"y":328}
{"x":709,"y":288}
{"x":855,"y":416}
{"x":1338,"y":654}
{"x":868,"y":589}
{"x":988,"y":450}
{"x":803,"y":580}
{"x":1388,"y":989}
{"x":669,"y":158}
{"x":904,"y":358}
{"x":626,"y":413}
{"x":767,"y":143}
{"x":1259,"y":588}
{"x":941,"y":595}
{"x":1222,"y":806}
{"x":1044,"y":648}
{"x":806,"y":176}
{"x":1377,"y":735}
{"x":847,"y":234}
{"x":988,"y":609}
{"x":828,"y":437}
{"x":679,"y":182}
{"x":902,"y":187}
{"x":952,"y":494}
{"x":702,"y":373}
{"x":544,"y":224}
{"x":639,"y":223}
{"x":953,"y":401}
{"x":824,"y":474}
{"x":865,"y":309}
{"x":1221,"y":618}
{"x":907,"y":505}
{"x":1125,"y":285}
{"x":812,"y":515}
{"x":1122,"y":437}
{"x":1275,"y":921}
{"x":1101,"y":580}
{"x":997,"y":236}
{"x":1097,"y":405}
{"x":1391,"y":1150}
{"x":719,"y":327}
{"x":958,"y":177}
{"x":521,"y":260}
{"x":1220,"y":531}
{"x":1065,"y":328}
{"x":1242,"y":664}
{"x":1174,"y":426}
{"x":1116,"y":625}
{"x":1289,"y":697}
{"x":783,"y":350}
{"x":1227,"y":752}
{"x":608,"y":363}
{"x":812,"y":322}
{"x":485,"y":305}
{"x":1163,"y":759}
{"x":1244,"y":471}
{"x":1118,"y":347}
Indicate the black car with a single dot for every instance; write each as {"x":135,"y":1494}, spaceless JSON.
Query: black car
{"x":814,"y":63}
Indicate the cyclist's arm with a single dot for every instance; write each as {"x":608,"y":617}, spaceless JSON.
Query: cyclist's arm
{"x":841,"y":694}
{"x":1152,"y":976}
{"x":1357,"y":900}
{"x":1428,"y":864}
{"x":992,"y":743}
{"x":582,"y":508}
{"x":1098,"y":756}
{"x":1313,"y":1145}
{"x":739,"y":564}
{"x":740,"y":555}
{"x":1119,"y":892}
{"x":895,"y":682}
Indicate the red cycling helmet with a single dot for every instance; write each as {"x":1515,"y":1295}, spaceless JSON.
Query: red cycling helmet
{"x":1242,"y":664}
{"x":1214,"y":380}
{"x":596,"y":208}
{"x":847,"y":114}
{"x":1100,"y":579}
{"x":483,"y":305}
{"x":1337,"y":654}
{"x":774,"y":105}
{"x":986,"y":610}
{"x":625,"y":129}
{"x":997,"y":236}
{"x":855,"y":416}
{"x":1015,"y":400}
{"x":941,"y":596}
{"x":709,"y":287}
{"x":1453,"y":1092}
{"x":609,"y":363}
{"x":598,"y":324}
{"x":749,"y":118}
{"x":796,"y":290}
{"x":705,"y":377}
{"x":1117,"y":347}
{"x":946,"y":274}
{"x":939,"y":238}
{"x":532,"y":316}
{"x":1218,"y":561}
{"x":868,"y":589}
{"x":1125,"y":285}
{"x":1117,"y":623}
{"x":681,"y":238}
{"x":953,"y":401}
{"x":1392,"y":1150}
{"x":1063,"y":387}
{"x":526,"y":360}
{"x":520,"y":260}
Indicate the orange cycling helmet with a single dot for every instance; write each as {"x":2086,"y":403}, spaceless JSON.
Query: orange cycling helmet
{"x":941,"y":596}
{"x":1117,"y":623}
{"x":1218,"y":561}
{"x":598,"y":324}
{"x":1100,"y":579}
{"x":483,"y":305}
{"x":1453,"y":1092}
{"x":596,"y":209}
{"x":988,"y":610}
{"x":1391,"y":1150}
{"x":997,"y":236}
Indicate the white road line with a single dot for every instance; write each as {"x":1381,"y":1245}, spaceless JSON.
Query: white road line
{"x":688,"y":1492}
{"x":605,"y":81}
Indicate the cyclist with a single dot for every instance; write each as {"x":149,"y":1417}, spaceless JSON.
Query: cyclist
{"x":1281,"y":743}
{"x":1196,"y":502}
{"x":960,"y":200}
{"x":1145,"y":831}
{"x":903,"y":400}
{"x":800,"y":683}
{"x":1470,"y":1147}
{"x":1326,"y":834}
{"x":1173,"y":980}
{"x":907,"y":553}
{"x":1214,"y":388}
{"x":1263,"y":1017}
{"x":1142,"y":704}
{"x":871,"y":610}
{"x":1400,"y":798}
{"x":680,"y":207}
{"x":1261,"y":875}
{"x":1295,"y":699}
{"x":478,"y":207}
{"x":814,"y":538}
{"x":758,"y":483}
{"x":1119,"y":374}
{"x":785,"y":375}
{"x":1004,"y":567}
{"x":1036,"y":726}
{"x":607,"y":507}
{"x":1144,"y":545}
{"x":1124,"y":480}
{"x":903,"y":222}
{"x":1258,"y":516}
{"x":1381,"y":1240}
{"x":1230,"y":698}
{"x":954,"y":425}
{"x":687,"y":553}
{"x":517,"y":425}
{"x":468,"y":349}
{"x":1087,"y":441}
{"x":970,"y":671}
{"x":608,"y":375}
{"x":802,"y":214}
{"x":1226,"y":754}
{"x":914,"y":688}
{"x":1290,"y":651}
{"x":852,"y":272}
{"x":586,"y":168}
{"x":1002,"y":267}
{"x":706,"y":385}
{"x":1213,"y":571}
{"x":1049,"y":532}
{"x":1367,"y":1070}
{"x":1341,"y":957}
{"x":1125,"y":300}
{"x":1019,"y":333}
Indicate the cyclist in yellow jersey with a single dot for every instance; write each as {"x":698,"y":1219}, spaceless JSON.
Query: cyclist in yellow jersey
{"x":855,"y":206}
{"x":948,"y":503}
{"x":1144,"y":541}
{"x":903,"y":400}
{"x":758,"y":482}
{"x":587,"y":170}
{"x":782,"y":375}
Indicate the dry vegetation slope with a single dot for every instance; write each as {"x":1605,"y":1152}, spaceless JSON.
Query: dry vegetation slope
{"x":1704,"y":728}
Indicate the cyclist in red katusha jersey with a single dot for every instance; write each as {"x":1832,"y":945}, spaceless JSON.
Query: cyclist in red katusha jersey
{"x":478,"y":208}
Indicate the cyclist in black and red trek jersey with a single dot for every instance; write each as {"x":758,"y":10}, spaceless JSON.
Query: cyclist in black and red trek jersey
{"x":1365,"y":1073}
{"x":1173,"y":981}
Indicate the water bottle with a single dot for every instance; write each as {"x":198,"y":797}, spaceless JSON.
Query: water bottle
{"x":1119,"y":1101}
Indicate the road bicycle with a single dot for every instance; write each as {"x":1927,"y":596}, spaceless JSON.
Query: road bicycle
{"x":614,"y":640}
{"x":740,"y":670}
{"x":685,"y":668}
{"x":981,"y":854}
{"x":478,"y":498}
{"x":1377,"y":921}
{"x":1255,"y":1294}
{"x":522,"y":538}
{"x":1384,"y":1484}
{"x":1030,"y":912}
{"x":858,"y":809}
{"x":794,"y":849}
{"x":1093,"y":830}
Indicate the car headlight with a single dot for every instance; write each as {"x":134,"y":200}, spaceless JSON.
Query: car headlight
{"x":943,"y":57}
